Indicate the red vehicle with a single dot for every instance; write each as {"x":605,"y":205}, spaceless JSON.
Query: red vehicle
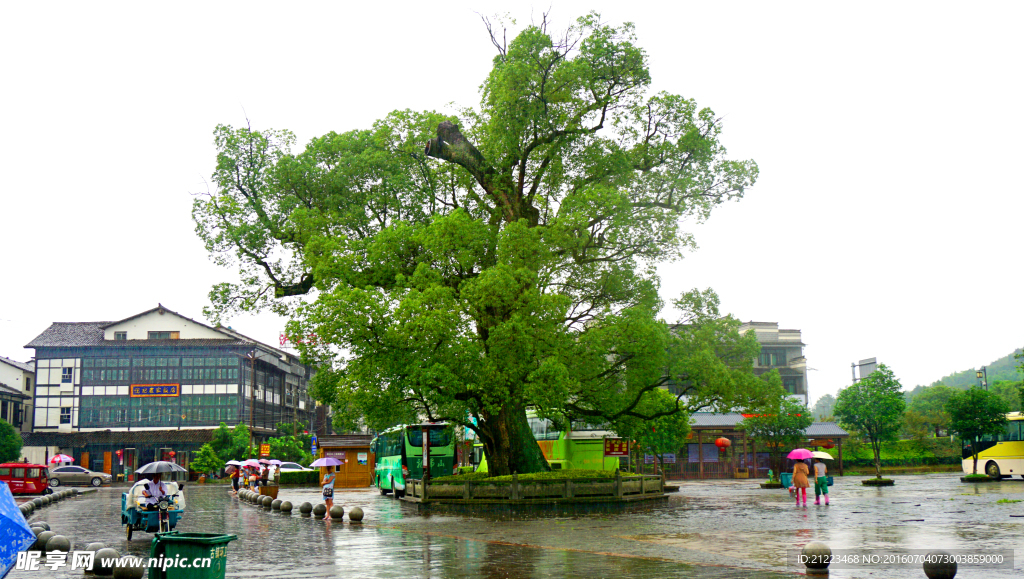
{"x":25,"y":479}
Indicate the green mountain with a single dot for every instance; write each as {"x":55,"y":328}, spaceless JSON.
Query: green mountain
{"x":1005,"y":368}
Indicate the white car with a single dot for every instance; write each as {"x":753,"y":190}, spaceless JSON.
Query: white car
{"x":292,"y":467}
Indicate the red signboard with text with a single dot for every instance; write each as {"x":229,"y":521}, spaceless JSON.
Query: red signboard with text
{"x":616,"y":447}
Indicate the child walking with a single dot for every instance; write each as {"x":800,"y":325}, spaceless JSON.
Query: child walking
{"x":800,"y":472}
{"x":820,"y":481}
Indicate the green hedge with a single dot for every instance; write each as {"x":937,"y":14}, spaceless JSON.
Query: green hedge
{"x":310,"y":477}
{"x":891,"y":462}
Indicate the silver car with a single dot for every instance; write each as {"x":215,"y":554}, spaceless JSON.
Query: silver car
{"x":76,"y":475}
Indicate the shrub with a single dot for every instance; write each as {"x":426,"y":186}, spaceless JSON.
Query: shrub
{"x":306,"y":477}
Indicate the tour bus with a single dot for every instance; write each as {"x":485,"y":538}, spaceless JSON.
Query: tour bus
{"x":1002,"y":455}
{"x":398,"y":455}
{"x":580,"y":448}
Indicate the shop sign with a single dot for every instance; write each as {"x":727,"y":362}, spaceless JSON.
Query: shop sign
{"x":264,"y":450}
{"x":361,"y":457}
{"x":148,"y":390}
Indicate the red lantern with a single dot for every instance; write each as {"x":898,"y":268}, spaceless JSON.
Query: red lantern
{"x":828,"y":444}
{"x":723,"y":443}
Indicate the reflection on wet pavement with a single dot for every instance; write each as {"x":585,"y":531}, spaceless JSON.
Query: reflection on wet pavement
{"x":709,"y":529}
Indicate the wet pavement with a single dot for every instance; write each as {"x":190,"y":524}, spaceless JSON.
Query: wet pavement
{"x":726,"y":529}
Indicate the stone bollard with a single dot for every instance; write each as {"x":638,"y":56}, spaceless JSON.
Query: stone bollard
{"x":108,"y":554}
{"x":43,"y":524}
{"x":286,"y":507}
{"x":267,"y":501}
{"x":41,"y":539}
{"x":94,"y":547}
{"x":305,"y":509}
{"x":817,"y":557}
{"x":320,"y":511}
{"x":129,"y":567}
{"x":355,"y":515}
{"x":337,"y":513}
{"x":58,"y":543}
{"x":276,"y":505}
{"x":939,"y":565}
{"x":47,"y":500}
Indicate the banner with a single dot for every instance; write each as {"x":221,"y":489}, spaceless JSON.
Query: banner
{"x":147,"y":390}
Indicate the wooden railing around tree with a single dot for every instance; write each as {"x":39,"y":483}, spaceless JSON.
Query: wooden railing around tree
{"x":620,"y":487}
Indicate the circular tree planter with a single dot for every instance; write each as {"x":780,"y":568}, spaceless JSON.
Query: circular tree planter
{"x":878,"y":482}
{"x":977,"y":478}
{"x":771,"y":485}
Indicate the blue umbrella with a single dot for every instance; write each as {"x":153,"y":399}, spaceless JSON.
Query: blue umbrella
{"x":15,"y":534}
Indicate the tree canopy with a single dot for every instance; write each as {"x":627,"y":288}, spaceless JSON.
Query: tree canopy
{"x":206,"y":460}
{"x":231,"y":444}
{"x":930,"y":404}
{"x":874,"y":407}
{"x":10,"y":442}
{"x":780,"y":423}
{"x":469,"y":266}
{"x":976,"y":413}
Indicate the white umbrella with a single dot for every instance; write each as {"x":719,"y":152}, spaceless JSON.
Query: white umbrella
{"x":61,"y":458}
{"x":233,"y":463}
{"x":822,"y":455}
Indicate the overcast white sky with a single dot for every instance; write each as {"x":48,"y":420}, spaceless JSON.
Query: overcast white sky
{"x":886,"y":221}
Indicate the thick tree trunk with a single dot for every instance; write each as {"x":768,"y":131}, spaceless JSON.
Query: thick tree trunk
{"x":510,"y":445}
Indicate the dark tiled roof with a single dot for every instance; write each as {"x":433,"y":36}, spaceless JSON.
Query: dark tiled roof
{"x":11,"y":391}
{"x":344,"y":440}
{"x":80,"y":439}
{"x":826,"y":429}
{"x":23,"y":366}
{"x":70,"y":334}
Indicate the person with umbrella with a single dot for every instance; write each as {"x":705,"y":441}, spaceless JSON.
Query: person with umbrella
{"x":800,"y":472}
{"x":820,"y":477}
{"x":327,"y":483}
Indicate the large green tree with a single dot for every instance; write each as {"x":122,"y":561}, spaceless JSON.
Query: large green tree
{"x":975,"y":414}
{"x":873,"y":407}
{"x":930,"y":404}
{"x":10,"y":442}
{"x":471,"y":266}
{"x":231,"y":443}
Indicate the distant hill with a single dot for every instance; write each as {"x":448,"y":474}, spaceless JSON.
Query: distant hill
{"x":1004,"y":368}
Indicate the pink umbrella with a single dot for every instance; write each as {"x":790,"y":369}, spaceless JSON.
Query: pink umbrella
{"x":252,"y":463}
{"x":61,"y":458}
{"x":800,"y":454}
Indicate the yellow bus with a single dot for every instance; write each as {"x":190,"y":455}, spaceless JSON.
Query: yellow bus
{"x":1000,"y":456}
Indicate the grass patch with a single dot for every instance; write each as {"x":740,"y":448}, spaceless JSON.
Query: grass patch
{"x":552,"y":475}
{"x":977,"y":477}
{"x":1009,"y":501}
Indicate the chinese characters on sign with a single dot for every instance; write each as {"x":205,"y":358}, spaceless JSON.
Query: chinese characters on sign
{"x":264,"y":450}
{"x":145,"y":390}
{"x":616,"y":447}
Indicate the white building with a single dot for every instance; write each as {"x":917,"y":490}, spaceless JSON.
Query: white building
{"x":16,"y":379}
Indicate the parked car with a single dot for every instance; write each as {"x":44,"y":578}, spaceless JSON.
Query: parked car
{"x":24,"y":478}
{"x":292,"y":467}
{"x":76,"y":475}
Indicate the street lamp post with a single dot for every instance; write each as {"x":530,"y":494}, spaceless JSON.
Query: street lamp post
{"x":983,"y":377}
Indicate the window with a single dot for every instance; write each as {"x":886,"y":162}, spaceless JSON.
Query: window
{"x":65,"y":415}
{"x":66,"y":375}
{"x":28,"y":384}
{"x":772,"y":358}
{"x":164,"y":335}
{"x":120,"y":336}
{"x":792,"y":385}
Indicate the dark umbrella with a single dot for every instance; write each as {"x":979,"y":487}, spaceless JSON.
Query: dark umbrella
{"x":160,"y":466}
{"x":15,"y":532}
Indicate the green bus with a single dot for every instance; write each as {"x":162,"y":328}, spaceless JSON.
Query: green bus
{"x":579,"y":448}
{"x":398,"y":455}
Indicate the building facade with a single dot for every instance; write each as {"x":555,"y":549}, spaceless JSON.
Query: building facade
{"x":153,"y":386}
{"x":16,"y":380}
{"x":781,"y":350}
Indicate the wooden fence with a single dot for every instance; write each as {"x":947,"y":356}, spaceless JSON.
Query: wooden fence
{"x":620,"y":487}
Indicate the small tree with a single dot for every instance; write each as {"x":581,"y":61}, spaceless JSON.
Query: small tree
{"x":658,"y":436}
{"x":779,"y":425}
{"x":10,"y":442}
{"x":231,"y":444}
{"x":206,"y":460}
{"x":976,"y":413}
{"x":874,"y":407}
{"x":824,"y":407}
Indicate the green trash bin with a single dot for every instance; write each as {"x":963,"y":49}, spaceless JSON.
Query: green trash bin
{"x":191,"y":549}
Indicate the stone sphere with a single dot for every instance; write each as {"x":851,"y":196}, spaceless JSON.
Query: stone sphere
{"x":337,"y":512}
{"x":109,"y":554}
{"x":129,"y":567}
{"x":58,"y":543}
{"x":286,"y":507}
{"x":939,"y":565}
{"x":37,"y":530}
{"x":94,"y":547}
{"x":305,"y":509}
{"x":43,"y":524}
{"x":818,"y":555}
{"x":276,"y":505}
{"x":56,"y":497}
{"x":37,"y":502}
{"x":268,"y":501}
{"x":47,"y":500}
{"x":355,"y":515}
{"x":41,"y":540}
{"x":320,"y":511}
